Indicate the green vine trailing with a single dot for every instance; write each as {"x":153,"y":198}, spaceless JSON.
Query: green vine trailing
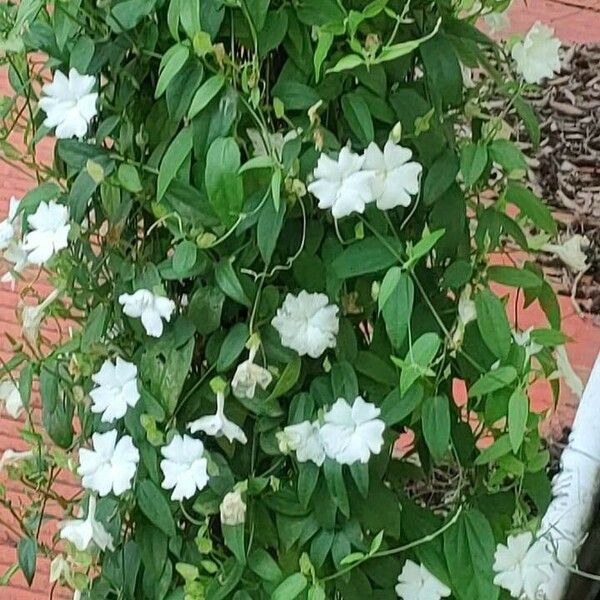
{"x":268,"y":227}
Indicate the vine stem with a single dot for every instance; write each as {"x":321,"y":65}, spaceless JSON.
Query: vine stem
{"x":397,"y":550}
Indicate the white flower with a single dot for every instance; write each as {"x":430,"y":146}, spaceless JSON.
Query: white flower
{"x":11,"y":458}
{"x":233,"y":509}
{"x":150,"y":308}
{"x":276,"y":140}
{"x":69,"y":103}
{"x":184,"y":467}
{"x":32,"y":316}
{"x":341,"y":184}
{"x":566,"y":371}
{"x":17,"y":257}
{"x":218,"y":425}
{"x":10,"y":397}
{"x":396,"y":179}
{"x":417,"y":583}
{"x":116,"y":389}
{"x":466,"y":314}
{"x":83,"y":532}
{"x":522,"y":565}
{"x":248,"y":375}
{"x":352,"y":433}
{"x":304,"y":439}
{"x":571,"y":252}
{"x":307,"y":323}
{"x":523,"y":339}
{"x":497,"y":21}
{"x":10,"y":227}
{"x":49,"y":232}
{"x":537,"y":55}
{"x":111,"y":465}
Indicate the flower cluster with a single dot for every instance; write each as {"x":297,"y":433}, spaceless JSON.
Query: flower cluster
{"x":349,"y":434}
{"x":346,"y":185}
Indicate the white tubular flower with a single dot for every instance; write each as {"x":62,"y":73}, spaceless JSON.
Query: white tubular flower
{"x":110,"y":466}
{"x":537,"y":55}
{"x":233,"y":509}
{"x":49,"y":232}
{"x":248,"y":375}
{"x":83,"y":532}
{"x":218,"y":425}
{"x":523,"y":339}
{"x":184,"y":467}
{"x":10,"y":227}
{"x":522,"y":565}
{"x":10,"y":398}
{"x":572,"y":252}
{"x":352,"y":433}
{"x":17,"y":257}
{"x":305,"y":440}
{"x":32,"y":316}
{"x":396,"y":177}
{"x":116,"y":389}
{"x":69,"y":103}
{"x":11,"y":457}
{"x":148,"y":307}
{"x":466,"y":314}
{"x":415,"y":582}
{"x":341,"y":184}
{"x":307,"y":323}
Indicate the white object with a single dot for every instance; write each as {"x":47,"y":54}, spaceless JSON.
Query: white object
{"x":32,"y":317}
{"x":83,"y":532}
{"x":415,"y":582}
{"x":305,"y":440}
{"x":307,"y":323}
{"x":184,"y":467}
{"x":248,"y":375}
{"x":49,"y":232}
{"x":148,"y":307}
{"x":10,"y":398}
{"x":537,"y":55}
{"x":218,"y":425}
{"x":396,"y":177}
{"x":11,"y":458}
{"x":342,"y":184}
{"x":575,"y":488}
{"x":10,"y":227}
{"x":116,"y":389}
{"x":352,"y":433}
{"x":110,"y":466}
{"x":522,"y":565}
{"x":233,"y":509}
{"x":69,"y":103}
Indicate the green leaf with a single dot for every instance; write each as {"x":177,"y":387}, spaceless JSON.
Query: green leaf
{"x":531,"y":206}
{"x":126,"y":15}
{"x":174,"y":157}
{"x":94,"y":327}
{"x":530,"y":120}
{"x":288,"y":379}
{"x":356,"y":111}
{"x":518,"y":411}
{"x":423,"y":247}
{"x":308,"y":478}
{"x":396,"y":304}
{"x":435,"y":418}
{"x":155,"y":506}
{"x":27,"y":556}
{"x":418,"y":359}
{"x":473,"y":160}
{"x":295,"y":95}
{"x":346,"y":63}
{"x":514,"y":277}
{"x":493,"y":380}
{"x":206,"y":92}
{"x":204,"y":311}
{"x":129,"y":178}
{"x":440,"y":176}
{"x":290,"y":588}
{"x":269,"y":228}
{"x":397,"y":407}
{"x":335,"y":483}
{"x":403,"y":48}
{"x":229,"y":283}
{"x":233,"y":346}
{"x":324,"y":42}
{"x":223,"y":184}
{"x":469,"y":549}
{"x":492,"y":453}
{"x":233,"y":536}
{"x":264,"y":565}
{"x":365,"y":256}
{"x":184,"y":257}
{"x":508,"y":156}
{"x":493,"y":323}
{"x":172,"y":62}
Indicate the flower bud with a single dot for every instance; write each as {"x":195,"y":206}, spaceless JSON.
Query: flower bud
{"x":233,"y":509}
